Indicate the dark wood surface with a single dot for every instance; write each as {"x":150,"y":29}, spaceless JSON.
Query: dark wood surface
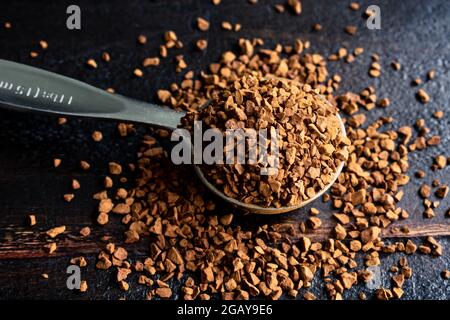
{"x":414,"y":32}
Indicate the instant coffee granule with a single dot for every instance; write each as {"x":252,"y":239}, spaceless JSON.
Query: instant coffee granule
{"x":194,"y":242}
{"x":311,"y":143}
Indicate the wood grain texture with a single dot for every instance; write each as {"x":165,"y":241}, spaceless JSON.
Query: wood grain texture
{"x":28,"y":143}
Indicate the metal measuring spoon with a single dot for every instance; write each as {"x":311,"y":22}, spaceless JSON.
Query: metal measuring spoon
{"x":29,"y":89}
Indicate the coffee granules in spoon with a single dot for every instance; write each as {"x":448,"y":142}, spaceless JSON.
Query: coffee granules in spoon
{"x":311,"y":143}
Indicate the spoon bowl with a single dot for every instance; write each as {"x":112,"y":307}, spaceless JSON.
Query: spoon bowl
{"x":252,"y":208}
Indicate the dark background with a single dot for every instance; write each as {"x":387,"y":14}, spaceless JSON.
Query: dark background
{"x":414,"y":32}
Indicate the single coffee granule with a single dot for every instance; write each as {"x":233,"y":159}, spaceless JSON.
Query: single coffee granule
{"x":138,"y":73}
{"x":351,"y":30}
{"x":52,"y":233}
{"x":279,"y":8}
{"x":43,"y":44}
{"x":56,"y":162}
{"x":68,"y":197}
{"x":141,"y":39}
{"x":85,"y":231}
{"x":97,"y":136}
{"x":227,"y":26}
{"x":75,"y":184}
{"x":317,"y":27}
{"x":296,"y":6}
{"x":83,"y":286}
{"x":151,"y":62}
{"x":32,"y":219}
{"x":202,"y":44}
{"x":85,"y":165}
{"x":202,"y":24}
{"x":92,"y":63}
{"x":106,"y":57}
{"x":423,"y":96}
{"x":354,"y":6}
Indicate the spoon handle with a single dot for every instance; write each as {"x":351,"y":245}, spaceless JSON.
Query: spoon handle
{"x":25,"y":88}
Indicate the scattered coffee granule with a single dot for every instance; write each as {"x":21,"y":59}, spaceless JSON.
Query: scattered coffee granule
{"x":416,"y":82}
{"x":62,"y":120}
{"x":108,"y":182}
{"x":85,"y":231}
{"x":106,"y":57}
{"x":32,"y":219}
{"x":43,"y":44}
{"x":383,"y":103}
{"x":420,"y":174}
{"x":396,"y":65}
{"x":138,"y":73}
{"x":115,"y":168}
{"x":97,"y":136}
{"x":296,"y":6}
{"x":45,"y":275}
{"x":435,"y":183}
{"x":102,"y":218}
{"x":7,"y":25}
{"x":358,"y":51}
{"x":423,"y":96}
{"x":440,"y":161}
{"x":317,"y":27}
{"x":85,"y":165}
{"x":442,"y":191}
{"x":445,"y":274}
{"x":83,"y":286}
{"x":431,"y":74}
{"x":75,"y":184}
{"x":202,"y":44}
{"x":202,"y":24}
{"x":163,"y":292}
{"x":163,"y":51}
{"x":151,"y":62}
{"x":68,"y":197}
{"x":279,"y":8}
{"x":309,"y":296}
{"x":434,"y":141}
{"x":314,"y":222}
{"x":124,"y":285}
{"x":51,"y":247}
{"x":92,"y":63}
{"x":56,"y":162}
{"x":438,"y":114}
{"x":33,"y":54}
{"x":354,"y":6}
{"x":216,"y":2}
{"x":351,"y":30}
{"x":141,"y":39}
{"x":425,"y":191}
{"x":226,"y":25}
{"x":52,"y":233}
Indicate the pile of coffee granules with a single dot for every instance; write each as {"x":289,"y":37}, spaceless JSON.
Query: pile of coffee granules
{"x":311,"y":144}
{"x":200,"y":246}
